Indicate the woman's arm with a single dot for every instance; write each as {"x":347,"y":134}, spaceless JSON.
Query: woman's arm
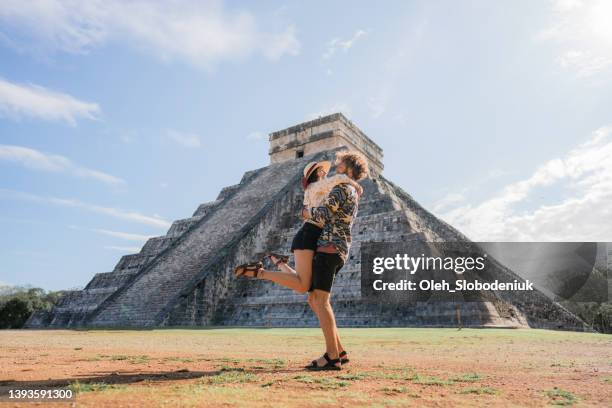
{"x":343,"y":178}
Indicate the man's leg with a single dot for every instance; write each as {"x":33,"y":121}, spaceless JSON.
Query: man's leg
{"x":338,"y":344}
{"x":327,"y":321}
{"x":313,"y":306}
{"x":324,"y":268}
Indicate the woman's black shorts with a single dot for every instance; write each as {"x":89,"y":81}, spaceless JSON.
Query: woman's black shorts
{"x":306,"y":237}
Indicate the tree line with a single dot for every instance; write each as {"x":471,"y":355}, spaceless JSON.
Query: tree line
{"x":18,"y":303}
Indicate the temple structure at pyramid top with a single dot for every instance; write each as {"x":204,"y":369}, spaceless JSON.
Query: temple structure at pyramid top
{"x":321,"y":134}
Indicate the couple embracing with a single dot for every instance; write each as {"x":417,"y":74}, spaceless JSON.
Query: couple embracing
{"x":321,"y":246}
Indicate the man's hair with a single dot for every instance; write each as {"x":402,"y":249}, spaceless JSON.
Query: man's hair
{"x":354,"y":161}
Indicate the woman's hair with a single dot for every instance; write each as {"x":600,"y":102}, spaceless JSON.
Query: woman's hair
{"x":314,"y":176}
{"x":354,"y":161}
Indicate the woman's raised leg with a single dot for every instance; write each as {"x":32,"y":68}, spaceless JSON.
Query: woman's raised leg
{"x":298,"y":279}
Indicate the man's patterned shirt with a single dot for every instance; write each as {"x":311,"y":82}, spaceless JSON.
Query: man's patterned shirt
{"x":337,"y":212}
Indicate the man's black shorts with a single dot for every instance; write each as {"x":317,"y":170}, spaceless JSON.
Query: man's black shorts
{"x":324,"y":269}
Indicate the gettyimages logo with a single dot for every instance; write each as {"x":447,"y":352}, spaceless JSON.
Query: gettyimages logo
{"x":413,"y":264}
{"x":464,"y":271}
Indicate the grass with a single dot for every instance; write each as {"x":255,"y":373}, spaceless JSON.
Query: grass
{"x":270,"y":383}
{"x":226,"y":367}
{"x":397,"y":374}
{"x":274,"y":362}
{"x":262,"y":367}
{"x":230,"y":375}
{"x":229,"y":360}
{"x":138,"y":359}
{"x":79,"y":387}
{"x":426,"y":380}
{"x":321,"y":382}
{"x":560,"y":364}
{"x":179,"y":359}
{"x":479,"y":390}
{"x":399,"y":390}
{"x":351,"y":377}
{"x":259,"y":363}
{"x":561,"y":397}
{"x":471,"y":377}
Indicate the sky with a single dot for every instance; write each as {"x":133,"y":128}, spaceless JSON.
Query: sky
{"x":119,"y":117}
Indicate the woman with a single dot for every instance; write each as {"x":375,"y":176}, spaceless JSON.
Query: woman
{"x":316,"y":188}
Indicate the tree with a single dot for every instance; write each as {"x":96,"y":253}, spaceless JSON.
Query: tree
{"x":14,"y":313}
{"x":17,"y":305}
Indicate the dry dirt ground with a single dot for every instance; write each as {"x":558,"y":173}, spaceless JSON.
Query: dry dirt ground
{"x":264,"y":367}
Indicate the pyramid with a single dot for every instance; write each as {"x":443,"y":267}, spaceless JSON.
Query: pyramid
{"x":185,"y":278}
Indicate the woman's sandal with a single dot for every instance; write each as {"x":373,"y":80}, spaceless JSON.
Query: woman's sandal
{"x":280,"y":258}
{"x":330,"y":365}
{"x":255,"y":267}
{"x":343,"y":360}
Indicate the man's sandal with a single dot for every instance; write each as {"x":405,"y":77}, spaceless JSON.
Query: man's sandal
{"x":280,"y":258}
{"x":255,"y":267}
{"x":330,"y":365}
{"x":343,"y":360}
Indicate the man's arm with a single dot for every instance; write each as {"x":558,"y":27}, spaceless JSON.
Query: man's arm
{"x":335,"y":199}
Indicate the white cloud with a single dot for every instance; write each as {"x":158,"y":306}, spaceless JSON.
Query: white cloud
{"x":336,"y":44}
{"x":128,"y":215}
{"x":275,"y":45}
{"x":123,"y":248}
{"x":454,"y":198}
{"x":123,"y":235}
{"x":581,"y":213}
{"x":448,"y":200}
{"x":128,"y":236}
{"x":582,"y":32}
{"x":201,"y":33}
{"x":37,"y":160}
{"x":17,"y":101}
{"x":584,"y":63}
{"x":185,"y":139}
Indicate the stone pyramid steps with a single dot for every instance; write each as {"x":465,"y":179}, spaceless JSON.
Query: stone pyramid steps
{"x":185,"y":278}
{"x":157,"y":284}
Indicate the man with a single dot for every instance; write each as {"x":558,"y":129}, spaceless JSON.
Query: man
{"x":337,"y":213}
